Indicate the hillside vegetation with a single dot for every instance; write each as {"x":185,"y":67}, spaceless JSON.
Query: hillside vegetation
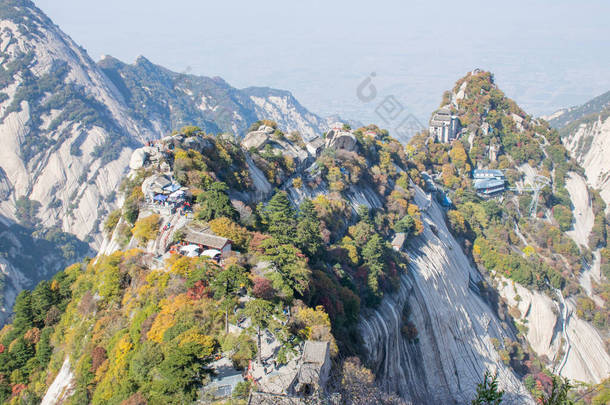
{"x":310,"y":258}
{"x":136,"y":329}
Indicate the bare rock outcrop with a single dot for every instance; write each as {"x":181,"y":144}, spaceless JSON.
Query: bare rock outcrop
{"x":573,"y":346}
{"x":6,"y":188}
{"x":590,"y":145}
{"x":455,"y":327}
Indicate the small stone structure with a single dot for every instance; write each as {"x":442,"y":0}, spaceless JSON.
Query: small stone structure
{"x":315,"y":368}
{"x":340,"y":139}
{"x":315,"y":146}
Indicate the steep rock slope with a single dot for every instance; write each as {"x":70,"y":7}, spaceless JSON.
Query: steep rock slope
{"x":587,"y":137}
{"x":542,"y":246}
{"x":555,"y":331}
{"x":66,"y":136}
{"x":66,"y":139}
{"x":454,"y":344}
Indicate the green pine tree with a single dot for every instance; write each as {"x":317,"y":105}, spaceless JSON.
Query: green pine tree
{"x":308,"y":238}
{"x":488,"y":392}
{"x":23,"y":318}
{"x":215,"y":203}
{"x":372,"y":253}
{"x":42,"y":300}
{"x":280,"y":218}
{"x":291,"y":271}
{"x":261,"y":314}
{"x":405,"y":225}
{"x":559,"y":393}
{"x":225,"y":286}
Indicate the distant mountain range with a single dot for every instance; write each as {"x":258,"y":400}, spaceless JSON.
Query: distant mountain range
{"x":564,"y":117}
{"x":160,"y":100}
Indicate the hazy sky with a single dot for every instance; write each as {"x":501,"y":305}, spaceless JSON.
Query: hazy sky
{"x":544,"y":54}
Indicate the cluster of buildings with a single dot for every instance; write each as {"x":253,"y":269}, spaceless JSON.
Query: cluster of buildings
{"x":488,"y":182}
{"x":444,"y":126}
{"x":312,"y":375}
{"x":159,"y":189}
{"x":166,"y":196}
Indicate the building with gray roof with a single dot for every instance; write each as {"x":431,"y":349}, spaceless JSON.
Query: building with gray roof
{"x":483,"y":174}
{"x":399,"y":241}
{"x":444,"y":126}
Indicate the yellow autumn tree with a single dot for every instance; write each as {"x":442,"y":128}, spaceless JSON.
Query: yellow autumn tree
{"x":348,"y":244}
{"x":225,"y":227}
{"x":386,"y":163}
{"x":449,"y":175}
{"x":314,"y":324}
{"x":118,"y":367}
{"x":457,"y":221}
{"x":414,"y":212}
{"x":183,"y":265}
{"x":165,"y":319}
{"x":147,"y":228}
{"x":458,"y":155}
{"x":205,"y":343}
{"x":335,"y":177}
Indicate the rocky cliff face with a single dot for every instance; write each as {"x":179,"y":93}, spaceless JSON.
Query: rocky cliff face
{"x":65,"y":133}
{"x":588,"y":141}
{"x":440,"y":296}
{"x":585,"y":131}
{"x":66,"y":136}
{"x":555,"y":331}
{"x":68,"y":125}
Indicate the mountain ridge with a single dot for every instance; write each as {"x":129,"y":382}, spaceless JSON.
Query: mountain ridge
{"x":472,"y":269}
{"x":484,"y":270}
{"x":68,"y":130}
{"x":562,"y":118}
